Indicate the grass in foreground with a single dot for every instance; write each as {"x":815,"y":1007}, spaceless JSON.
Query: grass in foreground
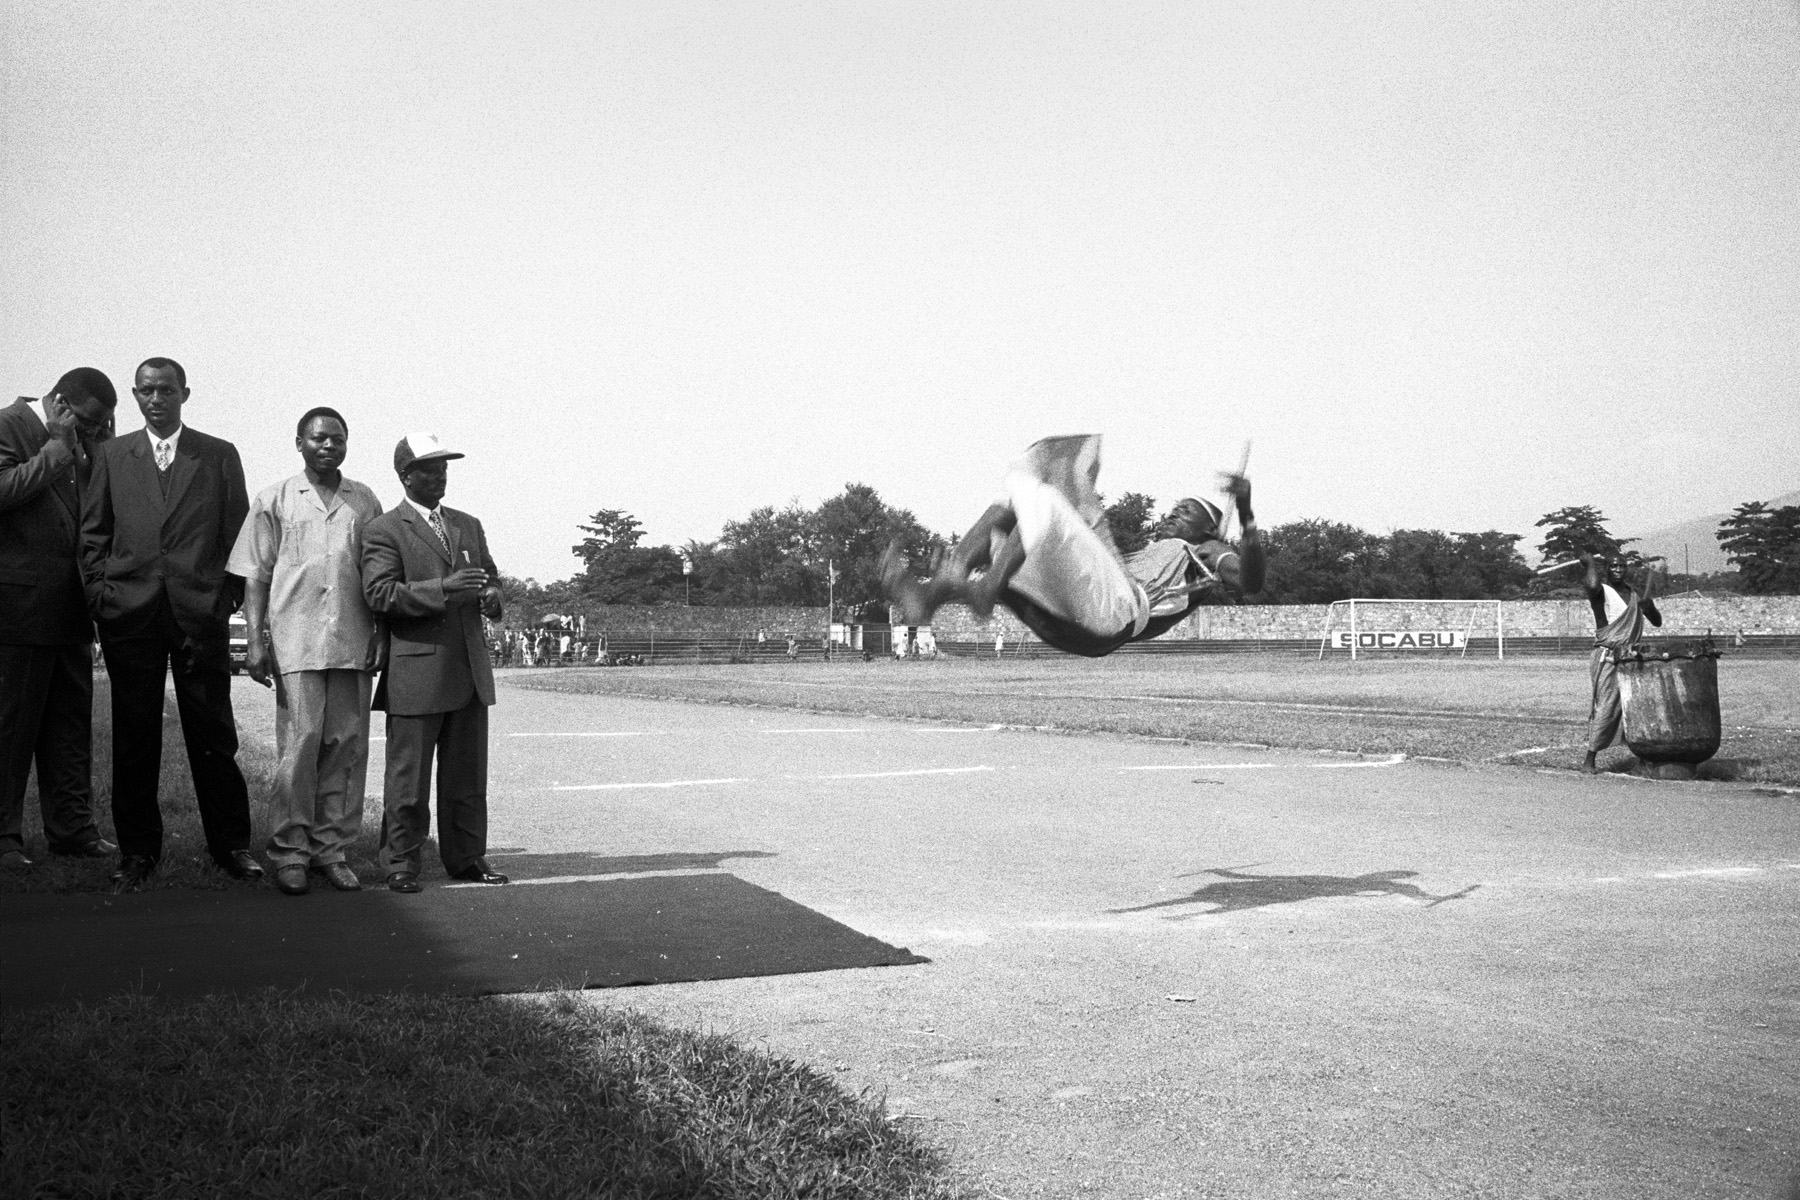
{"x":271,"y":1095}
{"x":1528,"y":712}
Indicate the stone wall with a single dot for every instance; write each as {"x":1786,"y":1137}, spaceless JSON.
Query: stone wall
{"x":1682,"y":615}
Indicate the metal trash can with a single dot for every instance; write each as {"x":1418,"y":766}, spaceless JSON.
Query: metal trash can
{"x":1670,"y":697}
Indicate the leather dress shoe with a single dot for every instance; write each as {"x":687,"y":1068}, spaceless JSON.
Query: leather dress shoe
{"x":292,"y":880}
{"x":98,"y":848}
{"x":240,"y":864}
{"x":15,"y":860}
{"x":133,"y":870}
{"x":403,"y":881}
{"x":340,"y":876}
{"x":479,"y":872}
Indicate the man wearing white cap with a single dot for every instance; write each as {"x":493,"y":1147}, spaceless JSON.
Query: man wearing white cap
{"x":426,"y":570}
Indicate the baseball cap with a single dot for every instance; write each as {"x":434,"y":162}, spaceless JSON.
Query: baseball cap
{"x":421,"y":447}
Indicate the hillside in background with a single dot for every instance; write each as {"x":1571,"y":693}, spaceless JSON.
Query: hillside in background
{"x":1700,"y":537}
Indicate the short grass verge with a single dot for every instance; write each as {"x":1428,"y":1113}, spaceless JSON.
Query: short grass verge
{"x":270,"y":1095}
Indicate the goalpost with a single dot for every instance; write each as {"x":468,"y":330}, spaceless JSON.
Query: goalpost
{"x":1364,"y":625}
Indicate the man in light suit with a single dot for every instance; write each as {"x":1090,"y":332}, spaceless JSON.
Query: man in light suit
{"x":427,"y":572}
{"x":159,"y":516}
{"x":46,"y":637}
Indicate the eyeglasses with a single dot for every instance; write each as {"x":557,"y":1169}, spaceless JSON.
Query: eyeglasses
{"x":161,"y":389}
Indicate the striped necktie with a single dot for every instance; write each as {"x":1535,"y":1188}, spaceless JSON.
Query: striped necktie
{"x":436,"y":521}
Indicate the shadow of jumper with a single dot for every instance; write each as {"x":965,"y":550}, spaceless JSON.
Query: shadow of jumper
{"x":1237,"y":891}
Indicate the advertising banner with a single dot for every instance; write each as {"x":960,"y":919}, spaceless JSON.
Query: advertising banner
{"x":1401,"y":639}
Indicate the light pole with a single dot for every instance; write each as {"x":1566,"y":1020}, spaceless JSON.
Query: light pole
{"x":687,"y":572}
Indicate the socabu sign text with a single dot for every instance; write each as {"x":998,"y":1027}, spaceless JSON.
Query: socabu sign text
{"x":1401,"y":639}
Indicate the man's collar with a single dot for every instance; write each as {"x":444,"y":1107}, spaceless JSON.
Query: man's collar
{"x":423,"y":512}
{"x":172,"y":439}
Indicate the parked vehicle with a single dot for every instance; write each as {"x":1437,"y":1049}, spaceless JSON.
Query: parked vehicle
{"x":240,"y":642}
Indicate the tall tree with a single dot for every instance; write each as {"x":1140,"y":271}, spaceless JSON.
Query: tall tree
{"x":766,"y":559}
{"x":619,"y":571}
{"x":854,"y":528}
{"x":1577,"y":530}
{"x":1317,"y":561}
{"x":1764,"y":544}
{"x":1494,"y":559}
{"x":1130,"y":518}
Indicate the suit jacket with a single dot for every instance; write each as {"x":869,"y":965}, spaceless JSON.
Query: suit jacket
{"x":41,"y":598}
{"x":138,"y":545}
{"x":437,"y":655}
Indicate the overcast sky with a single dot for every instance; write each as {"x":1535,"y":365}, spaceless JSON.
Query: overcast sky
{"x":1449,"y":265}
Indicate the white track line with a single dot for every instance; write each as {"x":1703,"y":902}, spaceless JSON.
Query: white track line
{"x":616,"y":787}
{"x":975,"y":729}
{"x":1207,"y":767}
{"x":1700,"y":873}
{"x":899,"y":774}
{"x":1392,"y":760}
{"x":600,"y":878}
{"x":598,"y":733}
{"x":1704,"y":871}
{"x":864,"y":729}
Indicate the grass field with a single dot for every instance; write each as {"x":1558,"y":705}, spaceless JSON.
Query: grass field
{"x":1528,"y":712}
{"x":387,"y":1096}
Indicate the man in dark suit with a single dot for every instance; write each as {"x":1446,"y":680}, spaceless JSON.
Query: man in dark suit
{"x":159,"y":518}
{"x":426,"y":570}
{"x":46,"y":638}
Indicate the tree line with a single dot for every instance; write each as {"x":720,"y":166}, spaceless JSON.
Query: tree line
{"x":799,"y":556}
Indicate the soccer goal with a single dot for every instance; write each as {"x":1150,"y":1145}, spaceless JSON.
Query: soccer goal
{"x":1368,"y":626}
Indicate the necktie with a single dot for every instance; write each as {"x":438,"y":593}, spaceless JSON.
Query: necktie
{"x":164,"y":453}
{"x":436,"y":520}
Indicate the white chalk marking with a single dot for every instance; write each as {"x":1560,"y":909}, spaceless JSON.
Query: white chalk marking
{"x":599,"y":878}
{"x":1390,"y":761}
{"x":975,"y":729}
{"x":1699,"y":871}
{"x":898,"y":774}
{"x":614,"y":787}
{"x":596,"y":733}
{"x":1205,"y":767}
{"x":864,"y":729}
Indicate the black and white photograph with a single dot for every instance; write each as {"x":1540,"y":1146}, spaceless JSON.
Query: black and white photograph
{"x":900,"y":600}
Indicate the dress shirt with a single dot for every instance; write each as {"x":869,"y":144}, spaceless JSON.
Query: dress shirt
{"x":434,"y":521}
{"x":310,"y":555}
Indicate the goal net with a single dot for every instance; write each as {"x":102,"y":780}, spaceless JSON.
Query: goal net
{"x":1429,"y":627}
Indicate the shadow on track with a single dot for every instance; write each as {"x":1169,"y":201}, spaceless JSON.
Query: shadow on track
{"x":1237,"y":891}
